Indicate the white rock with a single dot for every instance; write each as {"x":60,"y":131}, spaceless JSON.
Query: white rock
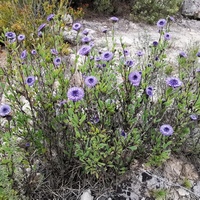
{"x":87,"y":195}
{"x":67,"y":19}
{"x":196,"y":188}
{"x":182,"y":192}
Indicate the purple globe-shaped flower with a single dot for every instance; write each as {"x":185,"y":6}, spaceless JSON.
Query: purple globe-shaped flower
{"x":4,"y":110}
{"x":114,"y":19}
{"x":166,"y":130}
{"x":149,"y":91}
{"x":135,"y":78}
{"x":172,"y":18}
{"x":198,"y":54}
{"x":104,"y":30}
{"x":10,"y":35}
{"x":23,"y":54}
{"x":84,"y":50}
{"x":97,"y":58}
{"x":75,"y":94}
{"x":198,"y":70}
{"x":41,"y":27}
{"x":50,"y":17}
{"x":173,"y":82}
{"x":129,"y":63}
{"x":161,"y":23}
{"x":182,"y":54}
{"x":194,"y":117}
{"x":54,"y":51}
{"x":155,"y":43}
{"x":76,"y":26}
{"x":39,"y":33}
{"x":91,"y":81}
{"x":140,"y":53}
{"x":167,"y":36}
{"x":107,"y":56}
{"x":21,"y":37}
{"x":30,"y":80}
{"x":86,"y":39}
{"x":33,"y":52}
{"x":126,"y":52}
{"x":57,"y":61}
{"x":123,"y":134}
{"x":85,"y":32}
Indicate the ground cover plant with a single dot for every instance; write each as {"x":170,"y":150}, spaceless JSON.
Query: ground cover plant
{"x":63,"y":121}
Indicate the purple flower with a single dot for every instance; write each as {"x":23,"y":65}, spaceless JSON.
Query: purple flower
{"x":30,"y":80}
{"x":129,"y":63}
{"x":4,"y":110}
{"x":86,"y":39}
{"x":10,"y":35}
{"x":173,"y":82}
{"x":161,"y":23}
{"x":76,"y":26}
{"x":167,"y":36}
{"x":41,"y":27}
{"x":21,"y":37}
{"x":54,"y":52}
{"x":114,"y":19}
{"x":23,"y":54}
{"x":198,"y":70}
{"x":126,"y":52}
{"x":135,"y":78}
{"x":123,"y":134}
{"x":57,"y":61}
{"x":61,"y":103}
{"x":95,"y":119}
{"x":149,"y":91}
{"x":107,"y":56}
{"x":91,"y":44}
{"x":91,"y":81}
{"x":171,"y":18}
{"x":194,"y":117}
{"x":155,"y":43}
{"x":84,"y":50}
{"x":104,"y":30}
{"x":75,"y":94}
{"x":40,"y":34}
{"x":85,"y":32}
{"x":166,"y":130}
{"x":97,"y":59}
{"x":33,"y":52}
{"x":198,"y":54}
{"x":140,"y":53}
{"x":50,"y":17}
{"x":182,"y":54}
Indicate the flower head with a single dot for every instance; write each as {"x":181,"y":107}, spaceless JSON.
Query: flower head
{"x":30,"y":80}
{"x":95,"y":119}
{"x":50,"y":17}
{"x":91,"y":81}
{"x":85,"y":32}
{"x":123,"y":134}
{"x":182,"y":54}
{"x":39,"y":33}
{"x":194,"y":117}
{"x":54,"y":52}
{"x":21,"y":37}
{"x":167,"y":36}
{"x":23,"y":54}
{"x":57,"y":61}
{"x":126,"y":52}
{"x":33,"y":52}
{"x":86,"y":39}
{"x":75,"y":94}
{"x":114,"y":19}
{"x":129,"y":63}
{"x":107,"y":56}
{"x":155,"y":43}
{"x":97,"y":59}
{"x":172,"y":18}
{"x":161,"y":23}
{"x":135,"y":78}
{"x":198,"y":54}
{"x":76,"y":26}
{"x":10,"y":35}
{"x":140,"y":53}
{"x":149,"y":91}
{"x":84,"y":50}
{"x":4,"y":110}
{"x":104,"y":30}
{"x":173,"y":82}
{"x":41,"y":27}
{"x":166,"y":130}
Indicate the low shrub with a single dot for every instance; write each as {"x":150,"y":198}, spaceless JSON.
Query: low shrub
{"x":95,"y":115}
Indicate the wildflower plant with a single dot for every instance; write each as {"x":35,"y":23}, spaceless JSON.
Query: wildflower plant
{"x":96,"y":125}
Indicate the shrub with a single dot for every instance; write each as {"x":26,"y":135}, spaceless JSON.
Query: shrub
{"x":96,"y":115}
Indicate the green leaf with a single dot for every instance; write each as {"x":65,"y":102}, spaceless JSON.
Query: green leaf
{"x":133,"y":148}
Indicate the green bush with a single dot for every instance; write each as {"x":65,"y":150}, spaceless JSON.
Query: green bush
{"x":74,"y":126}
